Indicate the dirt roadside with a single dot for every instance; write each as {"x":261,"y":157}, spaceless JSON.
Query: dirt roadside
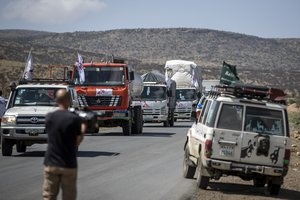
{"x":234,"y":188}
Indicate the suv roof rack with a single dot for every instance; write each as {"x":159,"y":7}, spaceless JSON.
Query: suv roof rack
{"x":46,"y":81}
{"x":248,"y":91}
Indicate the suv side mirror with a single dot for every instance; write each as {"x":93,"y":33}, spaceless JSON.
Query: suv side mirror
{"x":131,"y":75}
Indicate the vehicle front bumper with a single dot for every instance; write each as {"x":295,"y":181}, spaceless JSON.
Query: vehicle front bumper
{"x":246,"y":168}
{"x":154,"y":118}
{"x":24,"y":133}
{"x":182,"y":115}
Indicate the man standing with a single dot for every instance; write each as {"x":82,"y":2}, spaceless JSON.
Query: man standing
{"x":65,"y":132}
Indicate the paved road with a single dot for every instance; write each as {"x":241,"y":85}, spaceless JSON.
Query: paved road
{"x":111,"y":166}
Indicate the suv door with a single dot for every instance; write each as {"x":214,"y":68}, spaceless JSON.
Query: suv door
{"x":264,"y":140}
{"x":227,"y":140}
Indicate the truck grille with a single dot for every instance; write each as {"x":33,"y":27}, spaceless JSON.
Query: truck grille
{"x":30,"y":120}
{"x":100,"y":100}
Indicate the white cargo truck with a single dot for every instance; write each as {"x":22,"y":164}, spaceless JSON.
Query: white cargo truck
{"x":187,"y":76}
{"x":158,"y":99}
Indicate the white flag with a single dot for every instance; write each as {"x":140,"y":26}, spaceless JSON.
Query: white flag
{"x":80,"y":69}
{"x":28,"y":72}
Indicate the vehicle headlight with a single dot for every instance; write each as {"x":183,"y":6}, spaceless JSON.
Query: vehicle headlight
{"x":8,"y":120}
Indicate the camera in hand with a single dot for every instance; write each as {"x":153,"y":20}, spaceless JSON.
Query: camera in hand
{"x":89,"y":118}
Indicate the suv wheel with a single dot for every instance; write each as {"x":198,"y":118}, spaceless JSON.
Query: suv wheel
{"x":7,"y":147}
{"x":188,"y":170}
{"x":259,"y":181}
{"x":21,"y":147}
{"x":202,"y":181}
{"x":274,"y":189}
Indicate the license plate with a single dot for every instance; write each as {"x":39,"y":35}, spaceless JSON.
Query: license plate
{"x":34,"y":132}
{"x":227,"y":150}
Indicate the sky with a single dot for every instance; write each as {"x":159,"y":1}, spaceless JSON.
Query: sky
{"x":262,"y":18}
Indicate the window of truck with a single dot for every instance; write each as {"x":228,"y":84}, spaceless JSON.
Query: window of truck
{"x":205,"y":111}
{"x":35,"y":97}
{"x":156,"y":93}
{"x":102,"y":76}
{"x":264,"y":120}
{"x":231,"y":117}
{"x":186,"y":94}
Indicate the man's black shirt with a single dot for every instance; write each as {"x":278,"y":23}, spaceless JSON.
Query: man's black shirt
{"x":62,"y":128}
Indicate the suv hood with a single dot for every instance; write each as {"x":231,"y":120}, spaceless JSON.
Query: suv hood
{"x":31,"y":110}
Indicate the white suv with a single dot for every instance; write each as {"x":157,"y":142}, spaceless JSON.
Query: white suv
{"x":23,"y":123}
{"x":240,"y":132}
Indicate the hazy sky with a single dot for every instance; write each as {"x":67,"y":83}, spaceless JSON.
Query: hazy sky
{"x":263,"y":18}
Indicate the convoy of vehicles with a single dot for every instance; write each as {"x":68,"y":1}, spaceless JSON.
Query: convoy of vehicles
{"x":23,"y":123}
{"x":187,"y":76}
{"x":158,"y":99}
{"x":109,"y":90}
{"x":242,"y":131}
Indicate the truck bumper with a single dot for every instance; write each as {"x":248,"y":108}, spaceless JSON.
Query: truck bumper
{"x":246,"y":168}
{"x":155,"y":118}
{"x":111,"y":118}
{"x":182,"y":115}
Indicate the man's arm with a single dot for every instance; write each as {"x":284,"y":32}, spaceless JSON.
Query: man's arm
{"x":79,"y":138}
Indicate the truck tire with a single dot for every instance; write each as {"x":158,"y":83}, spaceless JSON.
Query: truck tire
{"x":274,"y":189}
{"x":171,"y":122}
{"x":188,"y":170}
{"x":137,"y":126}
{"x":7,"y":147}
{"x":127,"y":127}
{"x":202,"y":181}
{"x":166,"y":123}
{"x":21,"y":147}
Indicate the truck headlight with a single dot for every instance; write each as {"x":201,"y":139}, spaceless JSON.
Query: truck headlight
{"x":8,"y":120}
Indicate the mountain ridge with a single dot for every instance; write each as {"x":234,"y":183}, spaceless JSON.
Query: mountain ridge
{"x":278,"y":59}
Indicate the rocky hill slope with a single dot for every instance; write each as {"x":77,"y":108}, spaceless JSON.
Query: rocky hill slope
{"x":273,"y":62}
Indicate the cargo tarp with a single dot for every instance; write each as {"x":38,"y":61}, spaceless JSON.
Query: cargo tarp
{"x":153,"y":76}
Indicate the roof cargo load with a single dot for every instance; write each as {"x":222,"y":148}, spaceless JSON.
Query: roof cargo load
{"x":153,"y":76}
{"x":185,"y":73}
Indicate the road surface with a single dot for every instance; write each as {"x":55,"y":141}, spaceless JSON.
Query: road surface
{"x":111,"y":166}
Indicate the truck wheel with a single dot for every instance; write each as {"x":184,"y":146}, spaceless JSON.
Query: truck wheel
{"x":137,"y":126}
{"x":171,"y":122}
{"x":274,"y":189}
{"x":127,"y":127}
{"x":259,"y":182}
{"x":7,"y":147}
{"x":188,"y":170}
{"x":166,"y":123}
{"x":21,"y":147}
{"x":202,"y":181}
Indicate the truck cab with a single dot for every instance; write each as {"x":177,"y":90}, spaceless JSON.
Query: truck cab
{"x":107,"y":91}
{"x":185,"y":98}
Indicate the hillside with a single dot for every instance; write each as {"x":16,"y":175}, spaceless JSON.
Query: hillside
{"x":274,"y":62}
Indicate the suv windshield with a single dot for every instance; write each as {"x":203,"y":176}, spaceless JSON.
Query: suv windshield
{"x":102,"y":76}
{"x":157,"y":93}
{"x":186,"y":94}
{"x":35,"y":97}
{"x":262,"y":120}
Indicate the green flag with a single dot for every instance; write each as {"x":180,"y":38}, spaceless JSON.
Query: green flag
{"x":228,"y":74}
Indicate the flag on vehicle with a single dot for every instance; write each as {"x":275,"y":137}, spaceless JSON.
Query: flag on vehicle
{"x":28,"y":72}
{"x":80,"y":69}
{"x":229,"y":74}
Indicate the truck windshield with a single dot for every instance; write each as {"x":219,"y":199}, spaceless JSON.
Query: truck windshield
{"x":265,"y":121}
{"x":35,"y":97}
{"x":102,"y":76}
{"x":185,"y":94}
{"x":156,"y":93}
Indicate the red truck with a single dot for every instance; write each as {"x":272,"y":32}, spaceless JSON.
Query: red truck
{"x":110,"y":90}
